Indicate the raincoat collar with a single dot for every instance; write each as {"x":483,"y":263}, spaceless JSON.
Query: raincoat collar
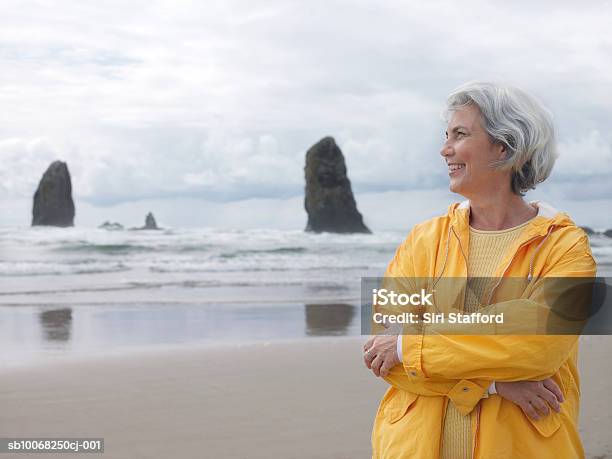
{"x":547,"y":216}
{"x":538,"y":229}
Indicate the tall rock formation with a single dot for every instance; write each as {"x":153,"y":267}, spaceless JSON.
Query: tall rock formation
{"x":53,"y":205}
{"x":150,"y":223}
{"x":329,"y":199}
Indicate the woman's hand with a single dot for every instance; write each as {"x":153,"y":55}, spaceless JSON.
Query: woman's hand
{"x":533,"y":397}
{"x":380,"y":354}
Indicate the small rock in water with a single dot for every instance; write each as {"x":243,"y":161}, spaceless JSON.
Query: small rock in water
{"x":150,"y":223}
{"x":111,"y":226}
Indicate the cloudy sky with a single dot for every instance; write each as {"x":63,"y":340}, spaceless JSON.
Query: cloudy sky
{"x":202,"y":111}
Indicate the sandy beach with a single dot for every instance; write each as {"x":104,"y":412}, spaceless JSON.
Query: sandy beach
{"x":301,"y":399}
{"x":285,"y":400}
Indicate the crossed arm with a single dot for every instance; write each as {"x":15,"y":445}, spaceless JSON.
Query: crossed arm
{"x":533,"y":397}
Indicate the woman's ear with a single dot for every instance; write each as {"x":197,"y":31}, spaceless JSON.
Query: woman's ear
{"x":503,"y":152}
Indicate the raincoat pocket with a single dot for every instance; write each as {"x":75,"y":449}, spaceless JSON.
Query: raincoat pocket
{"x":398,"y":405}
{"x":546,"y":425}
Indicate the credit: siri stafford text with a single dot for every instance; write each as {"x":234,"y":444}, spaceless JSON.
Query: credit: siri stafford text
{"x":438,"y":318}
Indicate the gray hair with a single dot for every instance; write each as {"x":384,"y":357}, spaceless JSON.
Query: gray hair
{"x":516,"y":120}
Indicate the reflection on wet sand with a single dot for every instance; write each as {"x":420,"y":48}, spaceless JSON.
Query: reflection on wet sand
{"x":56,"y":324}
{"x":328,"y":319}
{"x":36,"y":331}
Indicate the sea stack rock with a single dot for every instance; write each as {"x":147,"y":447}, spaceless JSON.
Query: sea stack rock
{"x":53,"y":205}
{"x":608,"y":233}
{"x":150,"y":223}
{"x":329,"y":199}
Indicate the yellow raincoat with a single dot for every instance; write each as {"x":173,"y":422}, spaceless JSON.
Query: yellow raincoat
{"x":439,"y":367}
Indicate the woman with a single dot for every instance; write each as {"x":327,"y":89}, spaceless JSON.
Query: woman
{"x":486,"y":396}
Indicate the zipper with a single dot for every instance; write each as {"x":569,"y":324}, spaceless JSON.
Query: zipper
{"x":460,"y":246}
{"x":445,"y":257}
{"x":450,"y":228}
{"x":465,"y":260}
{"x":529,"y":276}
{"x":437,"y":279}
{"x":475,"y":441}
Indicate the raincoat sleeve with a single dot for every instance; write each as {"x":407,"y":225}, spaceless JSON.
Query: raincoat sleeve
{"x":439,"y":354}
{"x":398,"y":277}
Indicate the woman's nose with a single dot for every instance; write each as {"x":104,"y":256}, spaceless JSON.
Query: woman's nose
{"x":446,"y":150}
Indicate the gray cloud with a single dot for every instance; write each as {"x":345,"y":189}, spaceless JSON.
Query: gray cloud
{"x":220,"y":100}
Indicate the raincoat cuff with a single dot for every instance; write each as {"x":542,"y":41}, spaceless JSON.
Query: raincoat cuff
{"x":466,"y":394}
{"x":412,"y":346}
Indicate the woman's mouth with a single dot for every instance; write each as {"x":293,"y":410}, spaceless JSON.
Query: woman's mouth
{"x":453,"y":168}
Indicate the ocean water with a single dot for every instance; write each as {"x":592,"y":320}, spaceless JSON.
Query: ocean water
{"x":93,"y":266}
{"x":80,"y":290}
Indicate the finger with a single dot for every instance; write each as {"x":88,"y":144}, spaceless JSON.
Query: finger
{"x":368,"y":344}
{"x":554,"y":388}
{"x":376,"y":364}
{"x":528,"y":410}
{"x":550,"y":398}
{"x":386,"y":366}
{"x":540,"y":406}
{"x":368,"y":358}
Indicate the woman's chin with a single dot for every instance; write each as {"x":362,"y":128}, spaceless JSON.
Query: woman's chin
{"x":454,"y":187}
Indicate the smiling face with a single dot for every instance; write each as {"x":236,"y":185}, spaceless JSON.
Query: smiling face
{"x":469,"y":154}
